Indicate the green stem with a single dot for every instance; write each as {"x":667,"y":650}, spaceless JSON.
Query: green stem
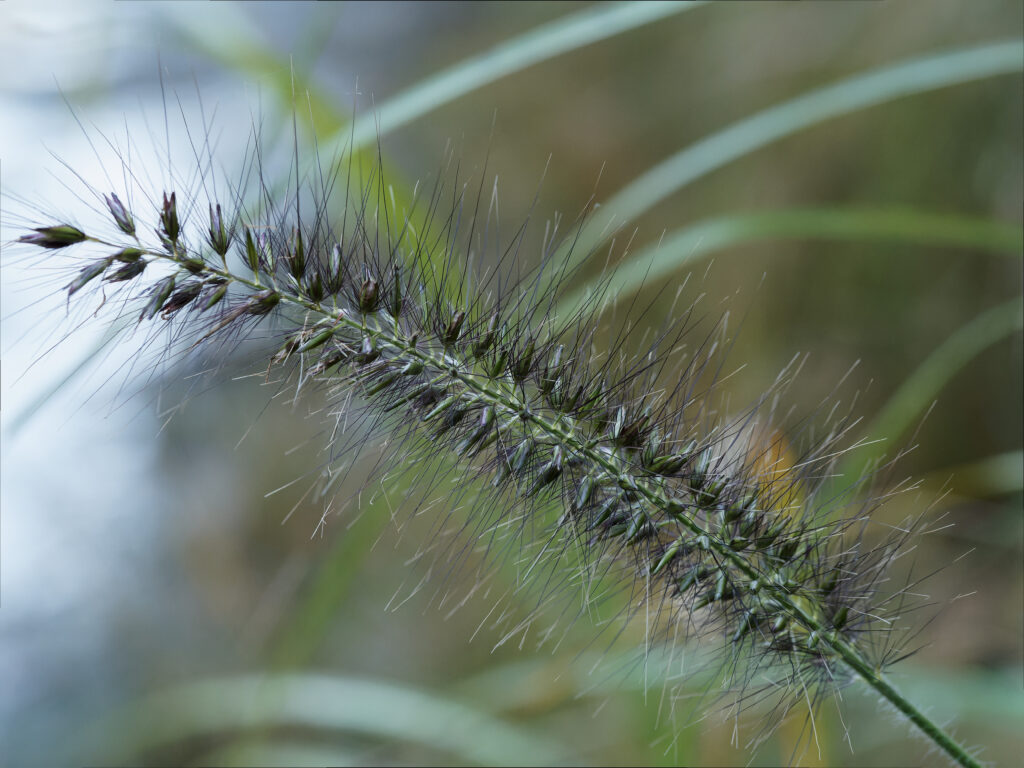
{"x":874,"y":678}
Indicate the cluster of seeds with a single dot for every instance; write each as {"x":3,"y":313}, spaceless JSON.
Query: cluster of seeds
{"x":728,"y":541}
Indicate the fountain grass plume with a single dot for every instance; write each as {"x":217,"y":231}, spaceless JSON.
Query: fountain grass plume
{"x":562,"y":438}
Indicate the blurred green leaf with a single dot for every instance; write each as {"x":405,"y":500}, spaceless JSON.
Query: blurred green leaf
{"x":244,"y":48}
{"x":218,"y":706}
{"x":998,"y":475}
{"x":287,"y":754}
{"x":919,"y":389}
{"x":307,"y":625}
{"x":573,"y":31}
{"x":652,"y":265}
{"x":517,"y":684}
{"x":247,"y":51}
{"x":858,"y":92}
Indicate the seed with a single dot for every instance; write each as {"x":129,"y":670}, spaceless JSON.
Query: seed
{"x":216,"y":295}
{"x":515,"y":463}
{"x":193,"y":266}
{"x":412,"y":368}
{"x":451,"y":332}
{"x":839,"y":620}
{"x":297,"y":257}
{"x":788,"y":549}
{"x":639,"y":528}
{"x":314,"y":288}
{"x":830,"y":582}
{"x":380,"y":385}
{"x":651,"y":448}
{"x":252,"y":256}
{"x":181,"y":298}
{"x":485,"y":341}
{"x":552,"y":371}
{"x":521,"y":456}
{"x":748,"y":622}
{"x":522,"y":365}
{"x":220,"y":238}
{"x":316,"y":341}
{"x":549,"y":472}
{"x":484,"y":430}
{"x":668,"y":465}
{"x":585,"y":491}
{"x":396,"y":290}
{"x":368,"y":352}
{"x":336,"y":269}
{"x":88,"y":273}
{"x":127,"y":272}
{"x":699,"y":475}
{"x":122,"y":218}
{"x":171,"y":227}
{"x":605,"y":511}
{"x":444,"y":405}
{"x":766,"y":539}
{"x":670,"y":554}
{"x":331,"y":359}
{"x":368,"y":298}
{"x":262,"y":303}
{"x":59,"y":236}
{"x":731,"y":514}
{"x":689,"y":580}
{"x":618,"y":423}
{"x":159,"y":296}
{"x":128,"y":255}
{"x":709,"y":495}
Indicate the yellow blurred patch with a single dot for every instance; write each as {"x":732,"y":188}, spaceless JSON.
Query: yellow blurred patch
{"x":772,"y":462}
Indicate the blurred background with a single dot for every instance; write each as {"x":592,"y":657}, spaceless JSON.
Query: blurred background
{"x":150,"y":586}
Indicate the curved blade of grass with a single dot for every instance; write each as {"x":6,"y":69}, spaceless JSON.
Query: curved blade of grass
{"x":560,"y":36}
{"x":920,"y":388}
{"x":226,"y":34}
{"x":291,"y":753}
{"x":383,"y":710}
{"x":307,"y":625}
{"x":890,"y":82}
{"x":527,"y":684}
{"x":684,"y":246}
{"x":248,"y":52}
{"x":999,"y":475}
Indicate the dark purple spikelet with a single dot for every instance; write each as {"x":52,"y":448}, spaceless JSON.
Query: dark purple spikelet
{"x":58,"y":236}
{"x":122,"y":218}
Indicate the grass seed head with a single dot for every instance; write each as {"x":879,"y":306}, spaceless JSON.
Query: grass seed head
{"x":649,"y":480}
